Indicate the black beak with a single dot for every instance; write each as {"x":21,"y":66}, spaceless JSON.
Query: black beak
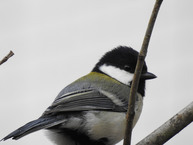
{"x":148,"y":76}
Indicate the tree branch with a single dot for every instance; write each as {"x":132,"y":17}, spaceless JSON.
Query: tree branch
{"x":170,"y":128}
{"x":6,"y":57}
{"x":140,"y":62}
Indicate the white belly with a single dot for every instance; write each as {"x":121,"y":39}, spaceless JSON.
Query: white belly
{"x":110,"y":125}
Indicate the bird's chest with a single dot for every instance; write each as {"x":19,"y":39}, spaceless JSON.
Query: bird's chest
{"x":109,"y":126}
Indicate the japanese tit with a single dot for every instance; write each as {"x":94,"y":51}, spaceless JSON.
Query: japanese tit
{"x":92,"y":109}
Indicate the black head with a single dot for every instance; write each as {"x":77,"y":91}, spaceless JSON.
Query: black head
{"x":120,"y":64}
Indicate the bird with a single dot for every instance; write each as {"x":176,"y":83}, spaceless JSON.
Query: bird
{"x":92,"y":110}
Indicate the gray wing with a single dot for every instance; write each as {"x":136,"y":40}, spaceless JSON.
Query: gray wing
{"x":84,"y":94}
{"x":79,"y":100}
{"x":87,"y":99}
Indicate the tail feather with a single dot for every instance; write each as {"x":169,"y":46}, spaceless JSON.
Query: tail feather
{"x":41,"y":123}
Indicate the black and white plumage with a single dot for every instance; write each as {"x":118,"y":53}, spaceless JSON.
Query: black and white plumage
{"x":91,"y":110}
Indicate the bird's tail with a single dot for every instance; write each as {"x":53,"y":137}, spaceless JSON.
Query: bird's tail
{"x":41,"y":123}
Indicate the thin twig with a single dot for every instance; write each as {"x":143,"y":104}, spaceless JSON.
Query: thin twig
{"x":6,"y":57}
{"x":170,"y":128}
{"x":140,"y":62}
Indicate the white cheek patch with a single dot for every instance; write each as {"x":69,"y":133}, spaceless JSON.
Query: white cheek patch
{"x":116,"y":73}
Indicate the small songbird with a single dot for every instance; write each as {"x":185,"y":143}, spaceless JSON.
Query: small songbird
{"x":92,"y":110}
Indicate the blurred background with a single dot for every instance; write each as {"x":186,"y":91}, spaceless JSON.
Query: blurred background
{"x":56,"y":42}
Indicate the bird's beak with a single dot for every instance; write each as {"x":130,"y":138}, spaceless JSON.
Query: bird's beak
{"x":148,"y":76}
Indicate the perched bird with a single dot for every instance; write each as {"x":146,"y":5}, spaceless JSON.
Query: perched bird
{"x":92,"y":109}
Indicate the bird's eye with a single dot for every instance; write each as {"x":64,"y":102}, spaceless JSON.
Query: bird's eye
{"x":127,"y":68}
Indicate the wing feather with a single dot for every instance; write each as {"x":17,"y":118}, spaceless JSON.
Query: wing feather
{"x":83,"y":100}
{"x":88,"y":93}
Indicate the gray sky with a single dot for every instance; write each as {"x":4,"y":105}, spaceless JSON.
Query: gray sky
{"x":56,"y":42}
